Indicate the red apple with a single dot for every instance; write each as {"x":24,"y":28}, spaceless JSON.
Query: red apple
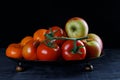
{"x":76,"y":27}
{"x":93,"y":49}
{"x":97,"y":38}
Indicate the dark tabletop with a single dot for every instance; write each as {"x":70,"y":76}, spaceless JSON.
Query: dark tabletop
{"x":105,"y":68}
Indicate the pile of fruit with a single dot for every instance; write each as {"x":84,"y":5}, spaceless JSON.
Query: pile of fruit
{"x":74,"y":42}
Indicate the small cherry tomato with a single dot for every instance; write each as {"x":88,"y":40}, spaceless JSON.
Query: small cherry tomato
{"x":25,"y":40}
{"x":14,"y":50}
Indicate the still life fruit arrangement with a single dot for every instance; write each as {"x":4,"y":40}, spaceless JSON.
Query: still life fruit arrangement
{"x":74,"y":42}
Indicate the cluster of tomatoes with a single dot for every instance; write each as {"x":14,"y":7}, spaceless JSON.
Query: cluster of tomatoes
{"x":47,"y":45}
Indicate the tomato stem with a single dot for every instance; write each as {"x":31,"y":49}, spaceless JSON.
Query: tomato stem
{"x":66,"y":38}
{"x":74,"y":50}
{"x":50,"y":36}
{"x":49,"y":43}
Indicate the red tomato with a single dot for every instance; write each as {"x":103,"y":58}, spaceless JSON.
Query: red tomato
{"x":46,"y":53}
{"x":68,"y":54}
{"x":39,"y":35}
{"x":57,"y":32}
{"x":25,"y":40}
{"x":14,"y":50}
{"x":29,"y":50}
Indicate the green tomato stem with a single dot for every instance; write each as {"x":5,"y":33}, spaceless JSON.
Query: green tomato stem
{"x":50,"y":37}
{"x":75,"y":47}
{"x":66,"y":38}
{"x":74,"y":50}
{"x":49,"y":43}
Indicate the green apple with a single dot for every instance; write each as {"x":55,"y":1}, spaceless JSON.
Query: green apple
{"x":97,"y":38}
{"x":93,"y":49}
{"x":76,"y":27}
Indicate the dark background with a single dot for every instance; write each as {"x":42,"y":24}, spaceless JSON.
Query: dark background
{"x":18,"y":19}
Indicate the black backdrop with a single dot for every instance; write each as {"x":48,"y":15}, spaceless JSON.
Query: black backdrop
{"x":18,"y":19}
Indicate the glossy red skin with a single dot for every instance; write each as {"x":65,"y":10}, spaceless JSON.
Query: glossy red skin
{"x":29,"y":50}
{"x":14,"y":50}
{"x":59,"y":32}
{"x":69,"y":55}
{"x":45,"y":53}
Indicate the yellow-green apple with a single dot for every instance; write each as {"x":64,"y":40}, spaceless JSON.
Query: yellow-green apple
{"x":97,"y":38}
{"x":93,"y":49}
{"x":76,"y":27}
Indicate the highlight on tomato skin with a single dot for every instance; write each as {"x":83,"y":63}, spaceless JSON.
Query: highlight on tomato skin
{"x":47,"y":53}
{"x":25,"y":40}
{"x":14,"y":50}
{"x":69,"y":54}
{"x":30,"y":49}
{"x":40,"y":35}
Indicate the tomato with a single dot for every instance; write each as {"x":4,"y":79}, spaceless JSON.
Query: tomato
{"x":56,"y":31}
{"x":39,"y":34}
{"x":30,"y":49}
{"x":25,"y":40}
{"x":69,"y":54}
{"x":14,"y":50}
{"x":47,"y":53}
